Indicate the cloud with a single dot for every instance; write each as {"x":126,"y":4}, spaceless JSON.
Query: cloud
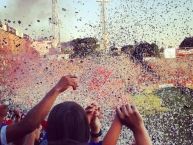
{"x":28,"y":9}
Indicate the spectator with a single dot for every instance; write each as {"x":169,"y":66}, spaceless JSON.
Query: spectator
{"x":32,"y":120}
{"x":69,"y":123}
{"x":3,"y":113}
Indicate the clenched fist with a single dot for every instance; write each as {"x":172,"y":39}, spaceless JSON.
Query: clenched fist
{"x":65,"y":82}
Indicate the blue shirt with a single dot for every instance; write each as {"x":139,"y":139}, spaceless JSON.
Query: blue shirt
{"x":45,"y":142}
{"x":93,"y":143}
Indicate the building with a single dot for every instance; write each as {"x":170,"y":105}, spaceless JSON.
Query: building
{"x":11,"y":42}
{"x":170,"y":53}
{"x":43,"y":47}
{"x":188,"y":51}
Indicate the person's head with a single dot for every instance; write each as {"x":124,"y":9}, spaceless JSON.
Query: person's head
{"x":3,"y":111}
{"x":68,"y":121}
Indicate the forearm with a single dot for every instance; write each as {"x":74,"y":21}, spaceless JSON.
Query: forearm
{"x":33,"y":118}
{"x":142,"y":137}
{"x":40,"y":111}
{"x":112,"y":135}
{"x":29,"y":139}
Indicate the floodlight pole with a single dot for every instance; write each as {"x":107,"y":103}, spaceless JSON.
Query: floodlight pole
{"x":55,"y":24}
{"x":104,"y":41}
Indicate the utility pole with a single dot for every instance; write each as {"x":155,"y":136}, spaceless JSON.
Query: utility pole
{"x":55,"y":25}
{"x":104,"y":40}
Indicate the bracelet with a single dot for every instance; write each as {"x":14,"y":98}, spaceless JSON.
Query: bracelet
{"x":95,"y":135}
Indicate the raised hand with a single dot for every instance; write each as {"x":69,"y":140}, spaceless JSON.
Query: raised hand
{"x":130,"y":116}
{"x":93,"y":115}
{"x":38,"y":113}
{"x":65,"y":82}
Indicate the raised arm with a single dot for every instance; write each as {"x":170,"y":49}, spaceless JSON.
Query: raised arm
{"x":40,"y":111}
{"x":94,"y":115}
{"x":113,"y":133}
{"x":131,"y":117}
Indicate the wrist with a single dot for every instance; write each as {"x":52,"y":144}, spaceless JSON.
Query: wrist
{"x":95,"y":130}
{"x":96,"y":134}
{"x":139,"y":129}
{"x":55,"y":90}
{"x":118,"y":121}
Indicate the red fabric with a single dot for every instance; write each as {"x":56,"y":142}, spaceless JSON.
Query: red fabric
{"x":44,"y":124}
{"x":8,"y":122}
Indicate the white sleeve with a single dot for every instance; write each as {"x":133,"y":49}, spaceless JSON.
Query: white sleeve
{"x":3,"y":135}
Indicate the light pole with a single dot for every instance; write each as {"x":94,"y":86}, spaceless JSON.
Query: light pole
{"x":55,"y":24}
{"x":104,"y":40}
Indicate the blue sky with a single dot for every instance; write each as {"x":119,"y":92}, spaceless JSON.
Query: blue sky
{"x":165,"y":21}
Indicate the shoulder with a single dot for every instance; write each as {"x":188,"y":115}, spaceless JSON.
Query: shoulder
{"x":3,"y":138}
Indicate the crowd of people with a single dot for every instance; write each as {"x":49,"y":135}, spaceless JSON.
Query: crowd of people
{"x":108,"y":81}
{"x":68,"y":123}
{"x":178,"y":71}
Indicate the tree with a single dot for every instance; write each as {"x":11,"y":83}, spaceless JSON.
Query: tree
{"x":155,"y":50}
{"x":128,"y":49}
{"x":145,"y":49}
{"x":161,"y":50}
{"x":85,"y":46}
{"x":187,"y":43}
{"x":114,"y":50}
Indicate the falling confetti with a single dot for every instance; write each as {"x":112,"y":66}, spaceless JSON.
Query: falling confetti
{"x":63,"y":9}
{"x":19,"y":22}
{"x":132,"y":69}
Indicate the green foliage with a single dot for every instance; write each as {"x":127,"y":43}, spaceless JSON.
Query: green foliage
{"x":155,"y":50}
{"x":177,"y":98}
{"x":187,"y":42}
{"x":163,"y":100}
{"x":85,"y":46}
{"x":145,"y":49}
{"x":128,"y":49}
{"x":149,"y":103}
